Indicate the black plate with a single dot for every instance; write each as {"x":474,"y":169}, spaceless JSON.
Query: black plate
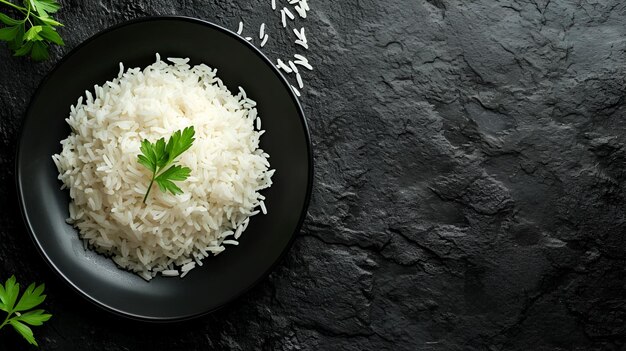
{"x":222,"y":278}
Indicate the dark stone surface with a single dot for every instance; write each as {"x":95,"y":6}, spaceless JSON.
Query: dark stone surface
{"x":469,"y":190}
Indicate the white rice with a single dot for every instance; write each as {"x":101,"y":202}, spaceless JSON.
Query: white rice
{"x":240,"y":29}
{"x":296,"y":91}
{"x":262,"y":31}
{"x":187,"y":267}
{"x":300,"y":10}
{"x":302,"y":41}
{"x":302,"y":36}
{"x":289,"y":14}
{"x":239,"y":230}
{"x":299,"y":33}
{"x":170,"y":273}
{"x":302,"y":61}
{"x":300,"y":82}
{"x":283,"y":66}
{"x":244,"y":226}
{"x":293,"y":67}
{"x":98,"y":164}
{"x":273,"y":4}
{"x":264,"y":40}
{"x":300,"y":58}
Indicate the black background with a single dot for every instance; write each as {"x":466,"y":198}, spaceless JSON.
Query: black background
{"x":469,"y":186}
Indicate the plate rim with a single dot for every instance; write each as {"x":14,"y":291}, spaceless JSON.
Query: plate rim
{"x":20,"y":190}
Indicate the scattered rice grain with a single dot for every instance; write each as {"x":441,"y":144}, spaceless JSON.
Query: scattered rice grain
{"x":295,"y":91}
{"x":289,"y":14}
{"x":282,"y":65}
{"x":240,"y":30}
{"x":299,"y":79}
{"x":293,"y":67}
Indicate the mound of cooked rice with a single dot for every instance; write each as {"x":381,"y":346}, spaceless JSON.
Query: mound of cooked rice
{"x":98,"y":164}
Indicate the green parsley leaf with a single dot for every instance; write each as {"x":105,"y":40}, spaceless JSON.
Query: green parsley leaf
{"x":33,"y":33}
{"x":23,"y":329}
{"x":10,"y":293}
{"x":35,"y":38}
{"x":49,"y":21}
{"x":51,"y":35}
{"x":3,"y":305}
{"x":46,"y":6}
{"x":39,"y":51}
{"x":149,"y":164}
{"x":8,"y":20}
{"x":35,"y":317}
{"x":180,"y":142}
{"x":175,"y":173}
{"x":32,"y":296}
{"x":166,"y":184}
{"x":8,"y":33}
{"x":159,"y":155}
{"x":24,"y":49}
{"x":19,"y":37}
{"x":162,"y":156}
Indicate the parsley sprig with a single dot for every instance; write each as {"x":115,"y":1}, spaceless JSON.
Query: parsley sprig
{"x":20,"y":314}
{"x":41,"y":28}
{"x":156,"y":157}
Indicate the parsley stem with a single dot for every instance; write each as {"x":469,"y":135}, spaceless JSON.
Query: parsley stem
{"x":149,"y":187}
{"x":6,"y":320}
{"x":13,"y":5}
{"x":27,"y":16}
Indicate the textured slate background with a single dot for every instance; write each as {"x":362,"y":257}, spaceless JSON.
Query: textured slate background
{"x":469,"y":190}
